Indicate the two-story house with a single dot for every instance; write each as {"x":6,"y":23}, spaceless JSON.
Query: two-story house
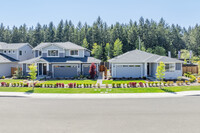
{"x":60,"y":60}
{"x":11,"y":54}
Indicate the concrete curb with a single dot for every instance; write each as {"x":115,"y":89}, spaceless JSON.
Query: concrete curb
{"x":99,"y":96}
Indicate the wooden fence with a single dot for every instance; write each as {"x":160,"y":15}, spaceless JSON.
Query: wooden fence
{"x":13,"y":69}
{"x":192,"y":69}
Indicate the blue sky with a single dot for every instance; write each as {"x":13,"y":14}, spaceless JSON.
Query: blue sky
{"x":16,"y":12}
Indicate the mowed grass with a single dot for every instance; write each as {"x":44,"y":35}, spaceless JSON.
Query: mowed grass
{"x":100,"y":90}
{"x":11,"y":80}
{"x":72,"y":81}
{"x":121,"y":81}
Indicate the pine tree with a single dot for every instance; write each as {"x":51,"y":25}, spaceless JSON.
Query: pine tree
{"x":117,"y":48}
{"x":50,"y":33}
{"x":59,"y":32}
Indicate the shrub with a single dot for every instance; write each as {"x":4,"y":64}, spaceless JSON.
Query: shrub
{"x":92,"y":70}
{"x":187,"y":82}
{"x":113,"y":85}
{"x":107,"y":86}
{"x":74,"y":85}
{"x":70,"y":85}
{"x":3,"y":84}
{"x":94,"y":85}
{"x":62,"y":85}
{"x":98,"y":85}
{"x":165,"y":83}
{"x":141,"y":84}
{"x":178,"y":83}
{"x":3,"y":77}
{"x":192,"y":78}
{"x":132,"y":84}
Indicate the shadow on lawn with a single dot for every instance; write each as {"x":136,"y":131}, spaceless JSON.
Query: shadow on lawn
{"x":169,"y":91}
{"x":29,"y":91}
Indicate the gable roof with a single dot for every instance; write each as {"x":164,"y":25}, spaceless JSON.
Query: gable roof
{"x":62,"y":60}
{"x":65,"y":45}
{"x":4,"y":45}
{"x":137,"y":56}
{"x":6,"y":59}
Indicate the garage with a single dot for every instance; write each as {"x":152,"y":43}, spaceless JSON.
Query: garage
{"x":134,"y":71}
{"x":62,"y":71}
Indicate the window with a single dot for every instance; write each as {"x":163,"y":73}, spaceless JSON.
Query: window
{"x":74,"y":52}
{"x":40,"y":53}
{"x":13,"y":51}
{"x":131,"y":65}
{"x":20,"y":52}
{"x":9,"y":51}
{"x":24,"y":51}
{"x":170,"y":67}
{"x":137,"y":65}
{"x":53,"y":53}
{"x":4,"y":51}
{"x":178,"y":66}
{"x":125,"y":65}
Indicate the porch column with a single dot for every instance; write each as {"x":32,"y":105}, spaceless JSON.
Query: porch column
{"x":47,"y":69}
{"x":145,"y":69}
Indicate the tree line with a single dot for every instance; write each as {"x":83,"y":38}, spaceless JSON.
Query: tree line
{"x":109,"y":41}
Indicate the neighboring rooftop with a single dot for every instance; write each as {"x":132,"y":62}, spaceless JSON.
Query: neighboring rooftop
{"x":6,"y":59}
{"x":4,"y":45}
{"x":137,"y":56}
{"x":62,"y":60}
{"x":65,"y":45}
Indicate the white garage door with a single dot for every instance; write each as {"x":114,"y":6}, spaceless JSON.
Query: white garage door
{"x":133,"y":71}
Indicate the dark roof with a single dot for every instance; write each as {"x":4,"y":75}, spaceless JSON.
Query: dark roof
{"x":63,"y":60}
{"x":5,"y":59}
{"x":137,"y":56}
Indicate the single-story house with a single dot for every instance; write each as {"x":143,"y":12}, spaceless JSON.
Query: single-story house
{"x":138,"y":64}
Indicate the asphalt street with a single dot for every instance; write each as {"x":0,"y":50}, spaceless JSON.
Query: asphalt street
{"x":148,"y":115}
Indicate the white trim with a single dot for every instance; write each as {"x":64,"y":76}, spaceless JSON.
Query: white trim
{"x":51,"y":50}
{"x":73,"y":50}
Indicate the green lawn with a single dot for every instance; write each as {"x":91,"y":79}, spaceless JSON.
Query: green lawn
{"x":11,"y":80}
{"x":72,"y":81}
{"x":121,"y":81}
{"x":98,"y":90}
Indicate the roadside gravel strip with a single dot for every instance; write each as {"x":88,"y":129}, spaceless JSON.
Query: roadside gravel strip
{"x":99,"y":96}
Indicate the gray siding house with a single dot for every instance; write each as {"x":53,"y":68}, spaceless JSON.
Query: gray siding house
{"x":138,"y":64}
{"x":60,"y":60}
{"x":11,"y":54}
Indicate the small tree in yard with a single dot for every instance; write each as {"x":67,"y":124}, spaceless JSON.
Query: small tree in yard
{"x":160,"y":72}
{"x":33,"y":73}
{"x":92,"y":70}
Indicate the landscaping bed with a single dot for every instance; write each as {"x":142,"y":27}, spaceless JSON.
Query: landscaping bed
{"x":121,"y":81}
{"x":172,"y":89}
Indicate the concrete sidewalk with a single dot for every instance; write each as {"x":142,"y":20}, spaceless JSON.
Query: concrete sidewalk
{"x":99,"y":96}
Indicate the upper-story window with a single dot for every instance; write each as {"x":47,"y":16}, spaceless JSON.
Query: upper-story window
{"x":20,"y":52}
{"x":53,"y":53}
{"x":40,"y":53}
{"x":74,"y":52}
{"x":9,"y":51}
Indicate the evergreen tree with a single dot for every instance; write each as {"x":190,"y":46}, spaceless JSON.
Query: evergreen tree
{"x":59,"y":32}
{"x":50,"y":33}
{"x":108,"y":52}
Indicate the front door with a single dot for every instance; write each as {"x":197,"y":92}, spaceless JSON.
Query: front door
{"x":44,"y":69}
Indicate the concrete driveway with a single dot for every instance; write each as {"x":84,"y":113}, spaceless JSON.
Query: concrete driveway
{"x":156,"y":115}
